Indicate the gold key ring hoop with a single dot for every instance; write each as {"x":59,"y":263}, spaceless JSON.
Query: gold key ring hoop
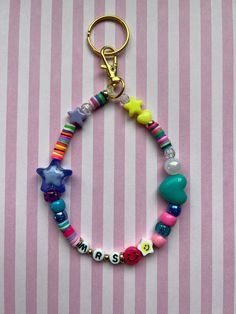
{"x":115,"y":19}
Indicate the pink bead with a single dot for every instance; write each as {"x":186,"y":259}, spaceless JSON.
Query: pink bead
{"x":68,"y":232}
{"x":158,"y":240}
{"x":168,"y":219}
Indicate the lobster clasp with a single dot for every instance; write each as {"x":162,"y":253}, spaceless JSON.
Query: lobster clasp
{"x":111,"y":68}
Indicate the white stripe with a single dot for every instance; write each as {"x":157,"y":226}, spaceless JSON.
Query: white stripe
{"x":130,"y":139}
{"x":4,"y":26}
{"x":173,"y":133}
{"x":217,"y":159}
{"x":195,"y":164}
{"x":43,"y":158}
{"x":108,"y":190}
{"x":66,"y":83}
{"x":21,"y":157}
{"x":87,"y":167}
{"x":152,"y":152}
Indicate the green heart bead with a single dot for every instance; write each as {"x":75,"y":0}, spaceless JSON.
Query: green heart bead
{"x":172,"y":189}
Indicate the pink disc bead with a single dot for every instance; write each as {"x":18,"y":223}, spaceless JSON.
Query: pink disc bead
{"x":168,"y":219}
{"x":158,"y":240}
{"x":68,"y":232}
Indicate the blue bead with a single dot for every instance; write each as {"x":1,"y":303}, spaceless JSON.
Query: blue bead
{"x":162,"y":229}
{"x":58,"y":206}
{"x":61,"y":216}
{"x":174,"y":210}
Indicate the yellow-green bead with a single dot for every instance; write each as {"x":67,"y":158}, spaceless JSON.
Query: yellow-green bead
{"x":145,"y":117}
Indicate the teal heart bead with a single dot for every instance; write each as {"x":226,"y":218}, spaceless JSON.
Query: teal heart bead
{"x":172,"y":189}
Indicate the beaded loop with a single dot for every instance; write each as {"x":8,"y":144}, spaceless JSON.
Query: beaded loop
{"x":171,"y":189}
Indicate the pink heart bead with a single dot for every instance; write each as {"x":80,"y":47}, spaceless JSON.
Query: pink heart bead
{"x":158,"y":240}
{"x":168,"y":219}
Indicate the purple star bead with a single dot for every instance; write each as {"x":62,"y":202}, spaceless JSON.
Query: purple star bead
{"x":77,"y":117}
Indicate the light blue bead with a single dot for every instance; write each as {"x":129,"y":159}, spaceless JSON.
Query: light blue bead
{"x":58,"y":206}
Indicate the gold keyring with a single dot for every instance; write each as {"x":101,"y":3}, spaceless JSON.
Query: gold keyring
{"x":108,"y":18}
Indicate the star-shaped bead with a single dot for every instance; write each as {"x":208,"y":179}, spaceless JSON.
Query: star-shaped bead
{"x":133,"y":106}
{"x":77,"y":117}
{"x":53,"y":177}
{"x":145,"y":246}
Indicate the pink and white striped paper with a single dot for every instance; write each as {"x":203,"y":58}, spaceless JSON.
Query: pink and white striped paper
{"x":180,"y":61}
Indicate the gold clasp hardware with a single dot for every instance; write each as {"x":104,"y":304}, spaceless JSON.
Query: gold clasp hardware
{"x":107,"y":52}
{"x":111,"y":68}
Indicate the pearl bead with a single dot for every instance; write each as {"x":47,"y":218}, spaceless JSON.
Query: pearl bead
{"x":86,"y":109}
{"x":114,"y":258}
{"x":58,"y":206}
{"x":158,"y":240}
{"x":169,"y":152}
{"x":168,"y":219}
{"x":98,"y":255}
{"x":172,"y":166}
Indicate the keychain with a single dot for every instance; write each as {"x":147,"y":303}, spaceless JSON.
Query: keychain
{"x":54,"y":176}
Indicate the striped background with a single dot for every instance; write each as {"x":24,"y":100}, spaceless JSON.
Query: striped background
{"x":180,"y":61}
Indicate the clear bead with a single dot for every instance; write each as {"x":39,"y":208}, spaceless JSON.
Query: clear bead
{"x":86,"y":109}
{"x":169,"y":152}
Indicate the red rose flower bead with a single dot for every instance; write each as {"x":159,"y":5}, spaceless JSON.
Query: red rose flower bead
{"x":132,"y":255}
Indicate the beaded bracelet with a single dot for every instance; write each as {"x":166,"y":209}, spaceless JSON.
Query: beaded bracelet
{"x":54,"y":176}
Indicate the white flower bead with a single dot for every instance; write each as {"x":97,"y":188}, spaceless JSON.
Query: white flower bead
{"x":114,"y":258}
{"x":172,"y":166}
{"x":98,"y":255}
{"x":82,"y":247}
{"x":145,"y":247}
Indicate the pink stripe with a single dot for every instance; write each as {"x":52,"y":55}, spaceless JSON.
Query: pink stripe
{"x":119,"y":175}
{"x":140,"y":185}
{"x":76,"y":154}
{"x":162,"y":261}
{"x":55,"y":121}
{"x":163,"y":139}
{"x":206,"y":157}
{"x":98,"y":170}
{"x":184,"y":148}
{"x":33,"y":126}
{"x":228,"y":171}
{"x":10,"y":174}
{"x":156,"y":130}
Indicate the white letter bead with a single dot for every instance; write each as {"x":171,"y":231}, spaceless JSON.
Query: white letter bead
{"x":98,"y":255}
{"x":82,"y":247}
{"x":114,"y":258}
{"x":172,"y":166}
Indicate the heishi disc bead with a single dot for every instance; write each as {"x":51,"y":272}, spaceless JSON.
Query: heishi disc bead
{"x":173,"y":209}
{"x":98,"y":255}
{"x":158,"y":240}
{"x":58,"y":206}
{"x":168,"y":219}
{"x":162,"y":229}
{"x":82,"y":247}
{"x":114,"y":258}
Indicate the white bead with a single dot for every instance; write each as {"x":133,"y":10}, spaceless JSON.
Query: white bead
{"x":124,"y":98}
{"x":114,"y":258}
{"x":169,"y":152}
{"x":82,"y":247}
{"x":86,"y":109}
{"x":98,"y":255}
{"x":172,"y":166}
{"x":145,"y":247}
